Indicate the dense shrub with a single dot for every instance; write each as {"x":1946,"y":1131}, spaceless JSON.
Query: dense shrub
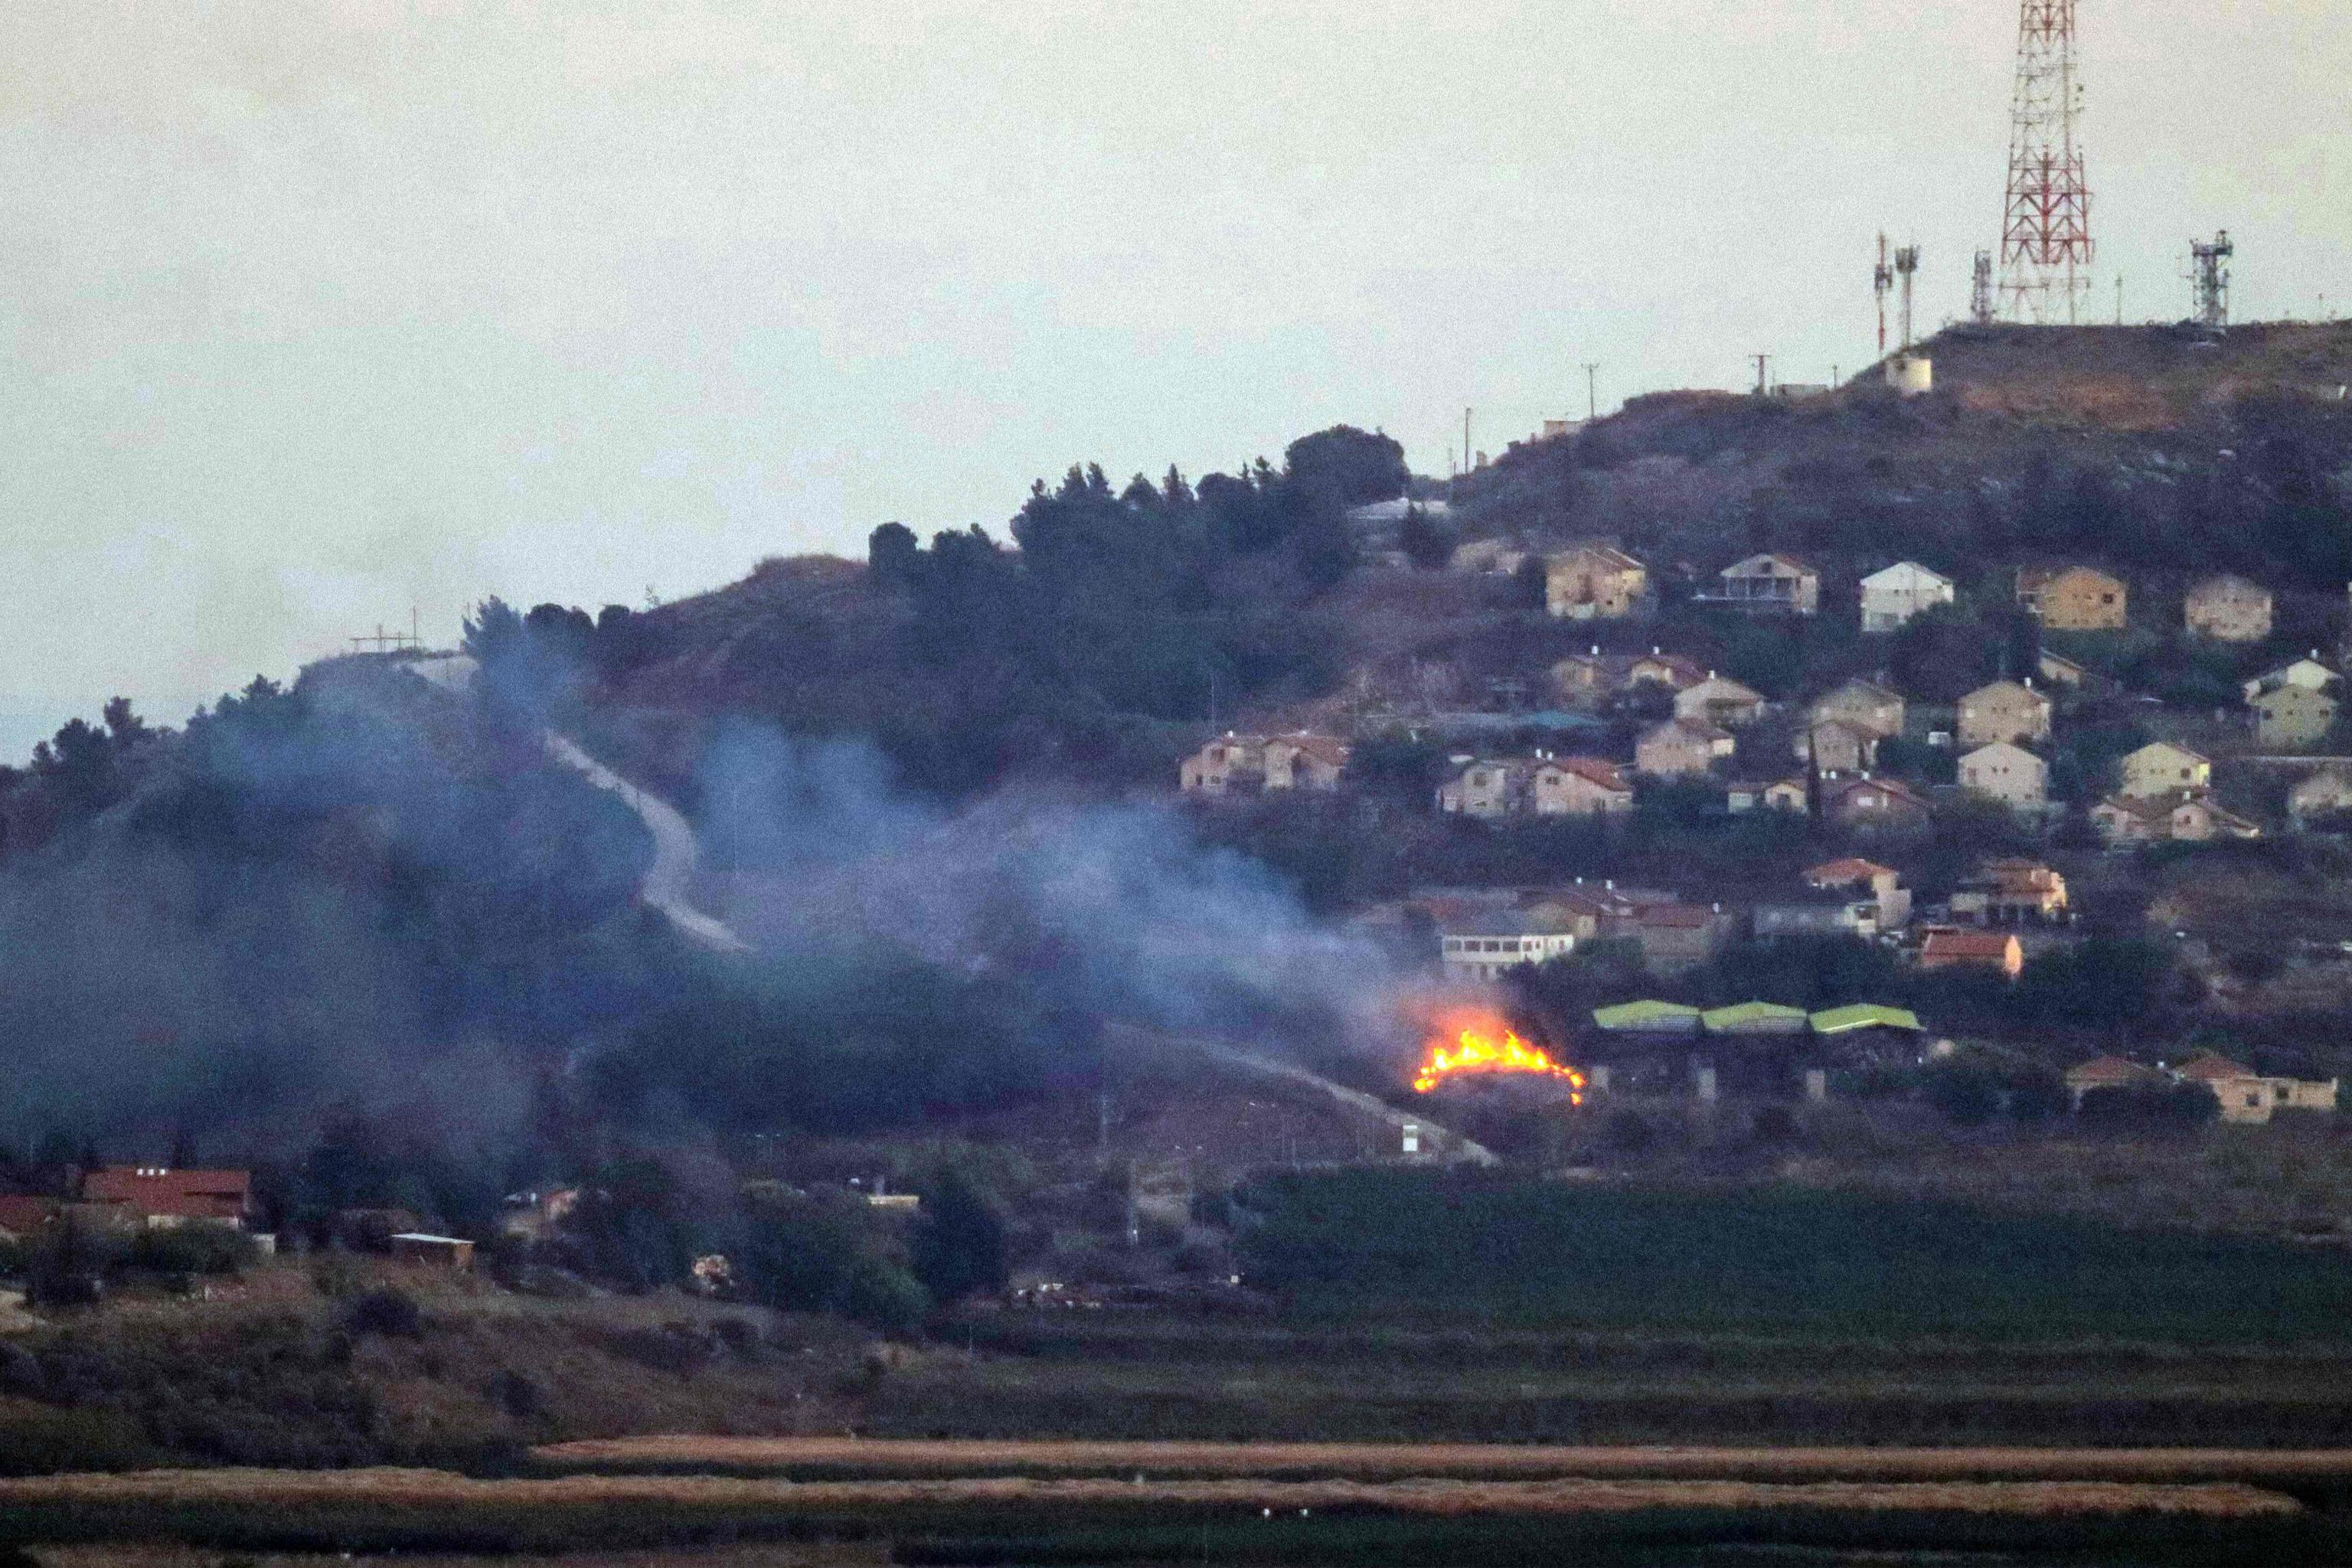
{"x":388,"y":1313}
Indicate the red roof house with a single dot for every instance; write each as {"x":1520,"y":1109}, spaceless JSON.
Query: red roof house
{"x":1972,"y":949}
{"x":159,"y":1196}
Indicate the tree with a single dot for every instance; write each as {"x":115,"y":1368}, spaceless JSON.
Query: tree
{"x":893,"y":554}
{"x":1346,"y":466}
{"x":829,"y":1254}
{"x":1427,"y":543}
{"x":1531,"y":586}
{"x":1965,"y":1093}
{"x":494,"y":627}
{"x":960,"y":1247}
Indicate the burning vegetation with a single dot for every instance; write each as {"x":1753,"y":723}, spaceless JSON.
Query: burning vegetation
{"x":1483,"y":1049}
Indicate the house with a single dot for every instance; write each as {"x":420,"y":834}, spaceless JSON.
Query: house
{"x":2189,"y":818}
{"x":1833,"y":745}
{"x":1868,"y":805}
{"x":2074,"y":599}
{"x":2011,"y":892}
{"x":23,"y":1219}
{"x":2003,"y":710}
{"x":2008,"y":774}
{"x":1946,"y":948}
{"x":1593,"y":582}
{"x":1492,"y":557}
{"x":2108,"y":1072}
{"x":1590,"y":678}
{"x":1718,"y":701}
{"x":1677,"y":936}
{"x":2327,"y":792}
{"x":1864,"y":704}
{"x":2305,"y":672}
{"x":2228,"y":608}
{"x":2161,"y":768}
{"x":1486,"y":787}
{"x":1490,"y":942}
{"x":1849,"y":912}
{"x":1587,"y":679}
{"x":532,"y":1214}
{"x":2060,"y":670}
{"x":1881,"y":882}
{"x":2293,"y":718}
{"x":1784,"y":794}
{"x":1679,"y":748}
{"x":1578,"y":786}
{"x":2249,"y":1098}
{"x":1850,"y":896}
{"x":1773,"y":583}
{"x":1890,"y":598}
{"x":1245,"y":764}
{"x":1304,"y":761}
{"x":159,"y":1198}
{"x":1671,"y":670}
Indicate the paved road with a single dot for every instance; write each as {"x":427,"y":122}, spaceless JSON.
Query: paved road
{"x":668,"y":882}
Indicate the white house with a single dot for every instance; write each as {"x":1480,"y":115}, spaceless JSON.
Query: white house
{"x":1890,"y":598}
{"x":2008,"y":774}
{"x":1488,"y":945}
{"x":2307,"y":673}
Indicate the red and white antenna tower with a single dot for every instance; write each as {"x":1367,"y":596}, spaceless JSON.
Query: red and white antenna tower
{"x":2045,"y":236}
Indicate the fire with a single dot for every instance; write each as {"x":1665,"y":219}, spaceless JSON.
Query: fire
{"x":1477,"y":1052}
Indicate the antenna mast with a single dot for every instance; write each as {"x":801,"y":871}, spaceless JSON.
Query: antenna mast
{"x":1906,"y":266}
{"x":2045,"y":236}
{"x":1882,"y":281}
{"x":2210,"y":280}
{"x":1980,"y":290}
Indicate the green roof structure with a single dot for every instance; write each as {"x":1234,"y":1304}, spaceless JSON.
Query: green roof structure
{"x":1662,"y":1017}
{"x":1865,"y":1016}
{"x":1754,"y":1018}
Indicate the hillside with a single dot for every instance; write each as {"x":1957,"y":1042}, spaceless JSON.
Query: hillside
{"x":2158,"y":447}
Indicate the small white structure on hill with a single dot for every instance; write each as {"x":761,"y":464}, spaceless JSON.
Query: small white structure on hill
{"x":1890,"y":598}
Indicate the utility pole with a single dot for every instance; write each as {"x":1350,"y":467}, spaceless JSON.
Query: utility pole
{"x":1592,"y":390}
{"x":1762,"y":384}
{"x":1466,"y":440}
{"x":2119,"y":298}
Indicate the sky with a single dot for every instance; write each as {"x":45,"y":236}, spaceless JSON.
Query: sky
{"x":314,"y":314}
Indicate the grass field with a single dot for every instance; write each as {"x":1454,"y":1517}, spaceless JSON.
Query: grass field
{"x":1471,"y":1247}
{"x":1098,"y":1518}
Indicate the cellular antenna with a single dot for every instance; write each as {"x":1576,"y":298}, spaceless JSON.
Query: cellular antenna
{"x":1882,"y":281}
{"x":1980,"y":290}
{"x":2045,"y":236}
{"x":1907,"y":267}
{"x":2208,"y":277}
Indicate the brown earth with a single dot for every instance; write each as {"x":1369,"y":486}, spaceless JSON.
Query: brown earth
{"x":392,"y":1496}
{"x":1487,"y":1463}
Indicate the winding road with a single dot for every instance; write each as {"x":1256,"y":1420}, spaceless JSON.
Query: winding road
{"x":668,"y":882}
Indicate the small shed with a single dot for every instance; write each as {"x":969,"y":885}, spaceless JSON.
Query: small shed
{"x":441,"y":1251}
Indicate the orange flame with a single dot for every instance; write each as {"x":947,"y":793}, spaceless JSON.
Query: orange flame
{"x":1474,"y":1052}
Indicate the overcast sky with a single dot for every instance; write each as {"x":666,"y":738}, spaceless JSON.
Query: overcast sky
{"x":310,"y":313}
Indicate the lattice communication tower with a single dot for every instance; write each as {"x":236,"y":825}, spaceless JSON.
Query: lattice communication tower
{"x":2209,"y":275}
{"x":1980,"y":290}
{"x":2045,"y":236}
